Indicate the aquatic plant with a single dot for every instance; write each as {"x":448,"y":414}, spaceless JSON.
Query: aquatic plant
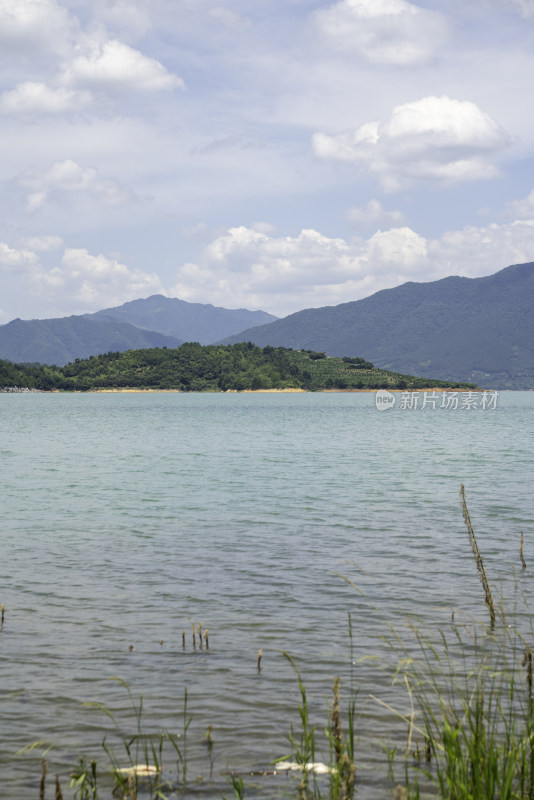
{"x":136,"y":762}
{"x":341,"y":768}
{"x":470,"y":693}
{"x":237,"y":786}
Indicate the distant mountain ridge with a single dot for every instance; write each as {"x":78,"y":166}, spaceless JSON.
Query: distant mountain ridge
{"x":156,"y":321}
{"x":59,"y":341}
{"x":462,"y":329}
{"x":478,"y":330}
{"x":192,"y":322}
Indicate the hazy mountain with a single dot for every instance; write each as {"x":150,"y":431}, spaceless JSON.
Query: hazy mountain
{"x":58,"y":341}
{"x":191,"y":322}
{"x":155,"y":322}
{"x":461,"y":329}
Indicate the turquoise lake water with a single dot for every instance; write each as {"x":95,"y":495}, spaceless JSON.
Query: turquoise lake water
{"x":126,"y":518}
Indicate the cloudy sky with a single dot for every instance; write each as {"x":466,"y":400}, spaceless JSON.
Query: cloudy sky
{"x":276,"y":155}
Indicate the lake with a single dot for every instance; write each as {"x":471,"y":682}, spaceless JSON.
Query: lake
{"x":127,"y":518}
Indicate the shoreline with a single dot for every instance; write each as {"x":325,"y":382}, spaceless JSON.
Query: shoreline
{"x":294,"y":390}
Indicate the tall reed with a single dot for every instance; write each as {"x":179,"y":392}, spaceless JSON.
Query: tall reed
{"x":471,"y":690}
{"x":341,"y":769}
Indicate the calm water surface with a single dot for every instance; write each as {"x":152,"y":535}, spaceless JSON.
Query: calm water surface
{"x":126,"y":518}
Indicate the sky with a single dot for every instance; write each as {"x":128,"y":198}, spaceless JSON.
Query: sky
{"x":279,"y":155}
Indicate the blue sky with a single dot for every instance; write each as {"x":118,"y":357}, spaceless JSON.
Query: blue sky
{"x":274,"y":155}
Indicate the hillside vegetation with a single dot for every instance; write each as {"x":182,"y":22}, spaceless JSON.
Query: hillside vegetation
{"x":196,"y":368}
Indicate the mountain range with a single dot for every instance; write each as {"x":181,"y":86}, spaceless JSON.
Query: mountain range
{"x":467,"y":329}
{"x":156,"y":321}
{"x":478,"y":330}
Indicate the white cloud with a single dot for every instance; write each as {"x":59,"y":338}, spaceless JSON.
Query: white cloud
{"x":34,"y":98}
{"x":373,"y":213}
{"x":68,"y":177}
{"x":382,"y":31}
{"x":86,"y":281}
{"x":75,"y":281}
{"x":476,"y":251}
{"x":436,"y":138}
{"x":115,"y":65}
{"x":13,"y":259}
{"x":284,"y":274}
{"x":29,"y":24}
{"x":90,"y":59}
{"x":397,"y":248}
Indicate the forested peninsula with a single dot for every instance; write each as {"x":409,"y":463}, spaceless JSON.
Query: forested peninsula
{"x":212,"y":368}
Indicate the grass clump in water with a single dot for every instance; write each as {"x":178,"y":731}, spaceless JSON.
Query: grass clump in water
{"x":341,"y":768}
{"x":136,"y":765}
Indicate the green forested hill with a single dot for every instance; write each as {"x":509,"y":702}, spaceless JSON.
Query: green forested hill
{"x":193,"y":367}
{"x":22,"y":376}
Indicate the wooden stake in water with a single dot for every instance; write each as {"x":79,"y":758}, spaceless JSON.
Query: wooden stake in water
{"x":478,"y":559}
{"x":183,"y":640}
{"x":3,"y":610}
{"x":199,"y":631}
{"x":194,"y":637}
{"x":206,"y":639}
{"x":527,"y":662}
{"x":260,"y":656}
{"x":44,"y":772}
